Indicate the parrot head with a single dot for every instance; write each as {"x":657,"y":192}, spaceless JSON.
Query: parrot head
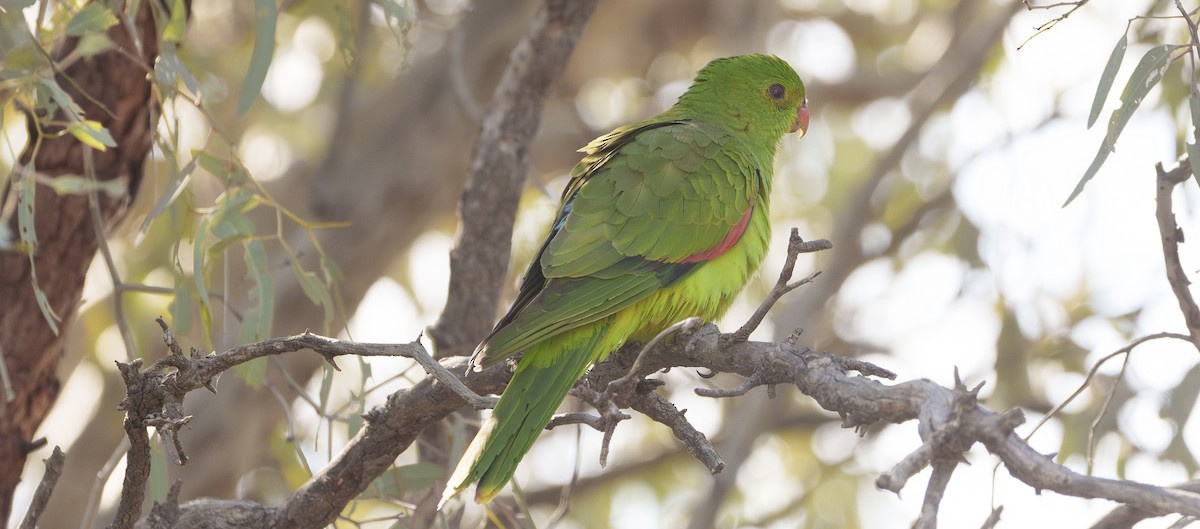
{"x":758,"y":94}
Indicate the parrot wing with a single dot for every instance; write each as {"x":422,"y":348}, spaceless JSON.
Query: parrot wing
{"x":647,"y":204}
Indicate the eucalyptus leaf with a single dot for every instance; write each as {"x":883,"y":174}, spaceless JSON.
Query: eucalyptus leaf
{"x":261,"y":55}
{"x":94,"y":17}
{"x":1107,"y":78}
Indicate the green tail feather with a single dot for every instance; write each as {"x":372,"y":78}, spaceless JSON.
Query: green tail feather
{"x":523,"y":411}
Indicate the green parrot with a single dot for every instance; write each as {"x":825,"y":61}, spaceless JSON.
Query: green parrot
{"x":662,"y":220}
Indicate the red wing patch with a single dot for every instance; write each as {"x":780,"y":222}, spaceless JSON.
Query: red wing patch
{"x":731,"y":239}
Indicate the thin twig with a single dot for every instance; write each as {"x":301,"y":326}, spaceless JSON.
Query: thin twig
{"x":564,"y":496}
{"x":54,"y":468}
{"x":796,"y":246}
{"x":993,"y":518}
{"x":1091,"y":446}
{"x":610,"y":415}
{"x":110,"y":264}
{"x":579,"y":417}
{"x":89,"y":513}
{"x":1087,"y":379}
{"x":1047,"y":26}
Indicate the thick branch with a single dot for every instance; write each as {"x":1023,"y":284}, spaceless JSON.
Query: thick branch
{"x":499,"y":164}
{"x":1172,"y":237}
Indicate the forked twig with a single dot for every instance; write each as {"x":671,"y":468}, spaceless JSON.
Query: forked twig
{"x":796,"y":246}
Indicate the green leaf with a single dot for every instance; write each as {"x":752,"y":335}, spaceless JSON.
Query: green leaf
{"x":60,"y":97}
{"x":331,"y":268}
{"x":77,"y":185}
{"x":159,"y":483}
{"x":169,"y":68}
{"x":177,"y":26}
{"x":174,"y":189}
{"x":345,"y":34}
{"x":198,"y":254}
{"x":326,"y":386}
{"x":354,"y":423}
{"x":260,"y":57}
{"x":25,"y":207}
{"x":1148,"y":73}
{"x":419,"y":475}
{"x":94,"y":17}
{"x":1101,"y":155}
{"x":316,"y":292}
{"x":15,"y":4}
{"x":44,"y":304}
{"x":210,"y":163}
{"x":233,"y":203}
{"x":387,"y":485}
{"x":92,"y":134}
{"x":1193,"y":152}
{"x":264,"y":286}
{"x":92,"y":44}
{"x":181,"y":304}
{"x":1107,"y":78}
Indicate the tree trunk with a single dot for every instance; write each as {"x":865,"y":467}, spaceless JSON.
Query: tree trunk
{"x":111,"y":88}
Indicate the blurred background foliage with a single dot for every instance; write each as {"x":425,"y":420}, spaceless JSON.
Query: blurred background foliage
{"x":945,"y":136}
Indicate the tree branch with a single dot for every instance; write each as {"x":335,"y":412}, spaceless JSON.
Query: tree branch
{"x":54,"y":468}
{"x":499,"y":164}
{"x":1172,"y":237}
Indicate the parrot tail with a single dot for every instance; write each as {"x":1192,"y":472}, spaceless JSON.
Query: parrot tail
{"x":542,"y":380}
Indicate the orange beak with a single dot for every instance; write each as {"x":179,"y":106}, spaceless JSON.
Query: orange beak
{"x":801,"y":123}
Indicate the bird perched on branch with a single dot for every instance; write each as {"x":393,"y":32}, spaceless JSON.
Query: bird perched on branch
{"x":662,"y":220}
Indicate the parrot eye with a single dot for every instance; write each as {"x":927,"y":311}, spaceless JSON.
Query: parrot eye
{"x":775,"y":91}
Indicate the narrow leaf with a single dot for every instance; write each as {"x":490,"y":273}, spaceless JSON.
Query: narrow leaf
{"x":159,"y":483}
{"x":77,"y":185}
{"x":25,"y":207}
{"x":177,"y":26}
{"x":419,"y":475}
{"x":59,"y":97}
{"x":93,"y":44}
{"x":1148,"y":73}
{"x":316,"y":292}
{"x":1107,"y":78}
{"x":326,"y":386}
{"x":94,"y":17}
{"x":175,"y":188}
{"x":345,"y":34}
{"x":210,"y":163}
{"x":260,"y":57}
{"x":169,"y":68}
{"x":1193,"y":152}
{"x":198,"y":254}
{"x":92,"y":134}
{"x":44,"y":304}
{"x":1101,"y":155}
{"x":264,"y":285}
{"x":181,"y":304}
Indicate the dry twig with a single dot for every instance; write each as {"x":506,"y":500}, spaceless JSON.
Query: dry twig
{"x":54,"y":468}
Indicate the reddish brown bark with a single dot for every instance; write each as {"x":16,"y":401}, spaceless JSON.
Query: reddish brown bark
{"x":111,"y":88}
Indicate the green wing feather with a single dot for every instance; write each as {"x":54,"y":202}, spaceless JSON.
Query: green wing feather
{"x":644,"y":199}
